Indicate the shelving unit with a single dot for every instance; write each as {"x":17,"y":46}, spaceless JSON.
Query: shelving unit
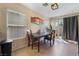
{"x":16,"y":25}
{"x":13,"y":25}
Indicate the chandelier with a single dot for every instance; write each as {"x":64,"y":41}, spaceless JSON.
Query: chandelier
{"x":53,"y":6}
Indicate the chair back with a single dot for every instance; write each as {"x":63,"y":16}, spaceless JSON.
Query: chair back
{"x":53,"y":33}
{"x":31,"y":34}
{"x":28,"y":35}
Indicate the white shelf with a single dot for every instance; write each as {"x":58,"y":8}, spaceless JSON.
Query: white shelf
{"x":14,"y":11}
{"x":16,"y":25}
{"x":13,"y":25}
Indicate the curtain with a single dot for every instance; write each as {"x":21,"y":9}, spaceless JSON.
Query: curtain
{"x":70,"y":28}
{"x":78,"y":36}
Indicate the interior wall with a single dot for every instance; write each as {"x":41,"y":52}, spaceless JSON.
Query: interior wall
{"x":51,"y":19}
{"x":20,"y":8}
{"x":2,"y":24}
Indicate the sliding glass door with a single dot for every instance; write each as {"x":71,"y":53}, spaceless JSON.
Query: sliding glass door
{"x":57,"y":24}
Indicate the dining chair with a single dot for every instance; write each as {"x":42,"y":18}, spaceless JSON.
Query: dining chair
{"x":28,"y":37}
{"x":50,"y":37}
{"x":53,"y":37}
{"x":33,"y":41}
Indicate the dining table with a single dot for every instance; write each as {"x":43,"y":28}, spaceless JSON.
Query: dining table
{"x":37,"y":36}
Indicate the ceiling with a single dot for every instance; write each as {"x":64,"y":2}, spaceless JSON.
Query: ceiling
{"x":64,"y":8}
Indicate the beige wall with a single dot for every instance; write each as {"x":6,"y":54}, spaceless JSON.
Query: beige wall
{"x":20,"y":8}
{"x":28,"y":12}
{"x":2,"y":24}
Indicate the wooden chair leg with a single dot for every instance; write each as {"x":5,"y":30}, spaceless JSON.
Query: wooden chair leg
{"x":32,"y":45}
{"x":53,"y":41}
{"x":38,"y":46}
{"x":28,"y":43}
{"x":50,"y":42}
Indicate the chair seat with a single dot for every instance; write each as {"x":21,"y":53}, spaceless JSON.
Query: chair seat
{"x":47,"y":37}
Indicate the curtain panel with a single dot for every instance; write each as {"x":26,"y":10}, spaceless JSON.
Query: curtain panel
{"x":70,"y":28}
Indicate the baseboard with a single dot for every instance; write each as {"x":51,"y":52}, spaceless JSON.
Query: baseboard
{"x":71,"y":41}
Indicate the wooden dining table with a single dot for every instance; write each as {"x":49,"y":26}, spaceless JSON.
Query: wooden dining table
{"x":38,"y":36}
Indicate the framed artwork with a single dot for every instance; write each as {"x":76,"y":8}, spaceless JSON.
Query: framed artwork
{"x":36,"y":20}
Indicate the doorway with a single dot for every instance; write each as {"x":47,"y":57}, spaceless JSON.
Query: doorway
{"x":57,"y":25}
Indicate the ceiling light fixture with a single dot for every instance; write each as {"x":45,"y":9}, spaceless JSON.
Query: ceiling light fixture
{"x":45,"y":4}
{"x":54,"y":6}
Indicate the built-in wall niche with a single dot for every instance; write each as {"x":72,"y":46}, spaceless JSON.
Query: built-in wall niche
{"x":16,"y":25}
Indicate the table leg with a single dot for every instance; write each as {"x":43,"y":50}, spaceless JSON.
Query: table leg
{"x":38,"y":46}
{"x":53,"y":41}
{"x":32,"y":44}
{"x":28,"y":43}
{"x":50,"y":42}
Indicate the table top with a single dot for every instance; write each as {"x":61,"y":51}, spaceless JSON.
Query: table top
{"x":37,"y":35}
